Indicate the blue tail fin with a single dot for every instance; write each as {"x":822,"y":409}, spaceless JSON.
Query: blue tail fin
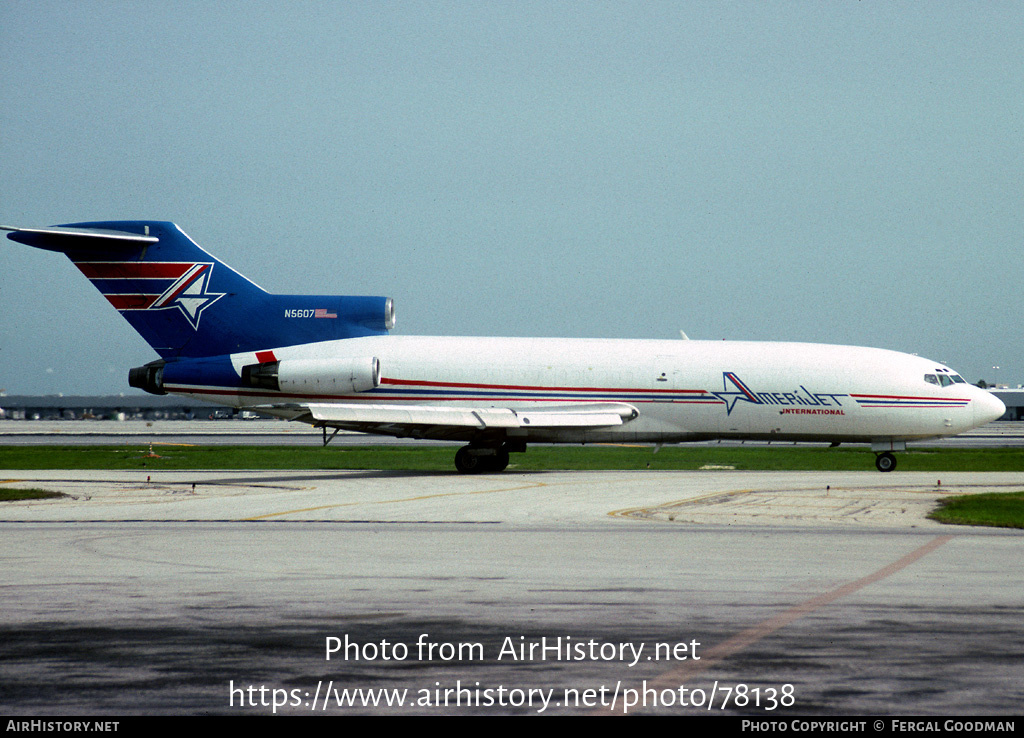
{"x":186,"y":303}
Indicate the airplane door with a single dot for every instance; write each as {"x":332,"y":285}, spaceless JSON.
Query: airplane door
{"x":666,"y":377}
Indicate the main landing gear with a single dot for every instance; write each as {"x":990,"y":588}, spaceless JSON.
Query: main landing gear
{"x":885,"y":462}
{"x":473,"y":459}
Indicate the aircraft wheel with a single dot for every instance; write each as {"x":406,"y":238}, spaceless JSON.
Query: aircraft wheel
{"x":885,"y":462}
{"x":499,"y":462}
{"x":468,"y":462}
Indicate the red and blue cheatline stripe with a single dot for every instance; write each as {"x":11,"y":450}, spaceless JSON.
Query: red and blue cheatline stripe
{"x":890,"y":401}
{"x":411,"y":389}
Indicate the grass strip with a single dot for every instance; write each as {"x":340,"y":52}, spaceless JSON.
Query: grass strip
{"x":537,"y":458}
{"x":13,"y":495}
{"x":999,"y":509}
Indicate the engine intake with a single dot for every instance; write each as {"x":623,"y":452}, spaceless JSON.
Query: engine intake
{"x":149,"y":378}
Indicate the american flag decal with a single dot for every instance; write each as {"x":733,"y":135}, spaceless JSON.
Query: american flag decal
{"x":323,"y":313}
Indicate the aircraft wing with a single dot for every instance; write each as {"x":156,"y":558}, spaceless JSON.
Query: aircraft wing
{"x":434,"y":421}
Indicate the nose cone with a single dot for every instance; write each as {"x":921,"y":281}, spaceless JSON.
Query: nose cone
{"x":987,"y":407}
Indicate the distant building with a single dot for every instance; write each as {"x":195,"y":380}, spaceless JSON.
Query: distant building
{"x":1014,"y":401}
{"x":108,"y":407}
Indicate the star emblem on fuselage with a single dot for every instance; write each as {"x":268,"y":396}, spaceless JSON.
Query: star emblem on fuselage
{"x":731,"y":397}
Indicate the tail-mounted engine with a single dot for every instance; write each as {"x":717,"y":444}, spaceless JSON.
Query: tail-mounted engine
{"x":314,"y":376}
{"x":298,"y":376}
{"x":149,"y":377}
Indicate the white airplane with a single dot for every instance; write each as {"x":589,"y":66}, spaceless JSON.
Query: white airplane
{"x":329,"y":361}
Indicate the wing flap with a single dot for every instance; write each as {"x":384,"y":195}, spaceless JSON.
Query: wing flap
{"x":593,"y":415}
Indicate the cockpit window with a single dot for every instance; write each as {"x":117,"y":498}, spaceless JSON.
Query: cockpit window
{"x":931,"y":378}
{"x":944,"y":380}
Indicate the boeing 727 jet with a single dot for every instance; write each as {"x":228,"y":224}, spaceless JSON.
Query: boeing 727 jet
{"x":330,"y":362}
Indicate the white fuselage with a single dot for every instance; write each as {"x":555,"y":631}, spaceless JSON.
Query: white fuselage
{"x":682,"y":390}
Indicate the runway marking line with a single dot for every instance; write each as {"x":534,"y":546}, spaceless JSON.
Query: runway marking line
{"x":748,"y":637}
{"x":401,"y":499}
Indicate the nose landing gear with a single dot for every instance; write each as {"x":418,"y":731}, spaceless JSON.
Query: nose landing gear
{"x":885,"y":462}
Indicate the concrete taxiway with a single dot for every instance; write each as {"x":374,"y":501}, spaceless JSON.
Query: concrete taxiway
{"x":1000,"y":434}
{"x":220,"y":592}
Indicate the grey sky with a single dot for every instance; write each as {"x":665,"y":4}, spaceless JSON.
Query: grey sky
{"x":841,"y":172}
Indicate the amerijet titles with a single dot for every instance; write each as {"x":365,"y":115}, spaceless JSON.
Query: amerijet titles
{"x":823,"y":403}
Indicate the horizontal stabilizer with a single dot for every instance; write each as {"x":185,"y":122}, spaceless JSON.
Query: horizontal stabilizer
{"x":68,"y":238}
{"x":595,"y":415}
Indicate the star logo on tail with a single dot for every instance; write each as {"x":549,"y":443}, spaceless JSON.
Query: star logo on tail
{"x":189,"y":294}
